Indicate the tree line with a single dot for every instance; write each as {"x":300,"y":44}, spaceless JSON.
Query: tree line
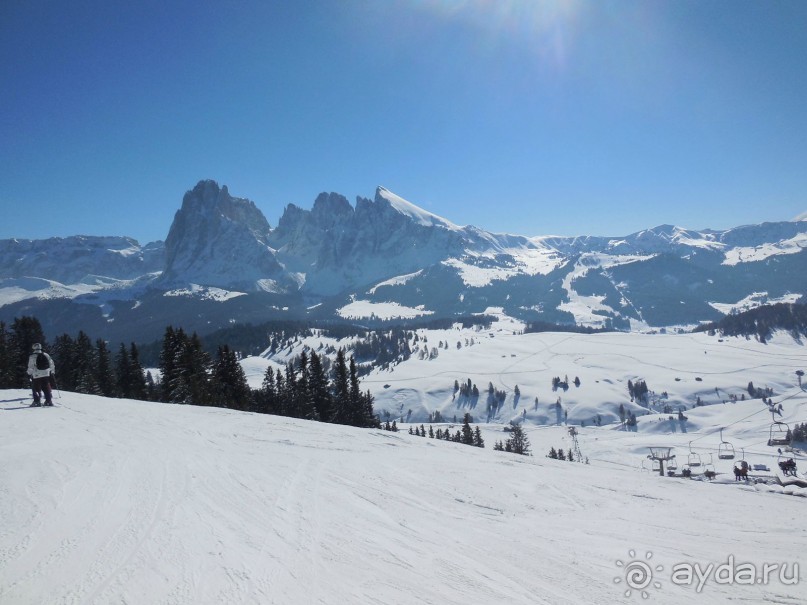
{"x":762,"y":322}
{"x":188,"y":374}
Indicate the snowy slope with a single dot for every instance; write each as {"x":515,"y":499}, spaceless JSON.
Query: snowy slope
{"x":110,"y":501}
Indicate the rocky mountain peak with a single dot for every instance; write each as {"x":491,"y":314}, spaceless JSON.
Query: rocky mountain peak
{"x":218,"y":240}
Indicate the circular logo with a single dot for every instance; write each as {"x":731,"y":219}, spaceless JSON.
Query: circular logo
{"x":638,"y":574}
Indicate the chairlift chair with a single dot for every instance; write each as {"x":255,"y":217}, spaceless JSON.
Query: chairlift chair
{"x":693,"y":460}
{"x":725,"y":450}
{"x":672,"y":467}
{"x":709,"y":469}
{"x":779,"y":433}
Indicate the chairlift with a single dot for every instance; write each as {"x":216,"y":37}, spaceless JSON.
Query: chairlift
{"x":786,"y":463}
{"x":672,"y":467}
{"x":693,"y":460}
{"x":725,"y":450}
{"x":709,"y":469}
{"x":779,"y":433}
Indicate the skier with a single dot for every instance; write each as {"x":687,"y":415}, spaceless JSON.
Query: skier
{"x":41,"y":368}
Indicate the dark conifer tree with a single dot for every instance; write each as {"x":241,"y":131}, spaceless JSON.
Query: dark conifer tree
{"x":478,"y":441}
{"x":357,"y":410}
{"x":6,"y":359}
{"x":281,"y":406}
{"x":318,"y":384}
{"x":123,"y":373}
{"x":86,"y":364}
{"x":341,"y":391}
{"x":308,"y":407}
{"x":63,"y":354}
{"x":371,"y":419}
{"x":103,"y":372}
{"x":467,"y":432}
{"x":169,"y":356}
{"x":230,"y":386}
{"x":292,"y":393}
{"x":519,"y":443}
{"x":266,"y":398}
{"x":138,"y":387}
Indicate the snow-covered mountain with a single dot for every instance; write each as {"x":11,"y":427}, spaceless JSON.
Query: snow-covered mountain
{"x":385,"y":257}
{"x":217,"y":240}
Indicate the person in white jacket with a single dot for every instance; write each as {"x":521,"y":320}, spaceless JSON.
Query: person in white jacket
{"x":40,"y":369}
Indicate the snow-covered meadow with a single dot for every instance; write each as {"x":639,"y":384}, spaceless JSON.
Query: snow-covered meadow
{"x":116,"y":501}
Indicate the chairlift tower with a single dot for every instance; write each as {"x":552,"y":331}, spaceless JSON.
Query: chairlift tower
{"x":661,"y":455}
{"x":575,"y":445}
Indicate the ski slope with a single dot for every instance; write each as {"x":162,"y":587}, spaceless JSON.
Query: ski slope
{"x":115,"y":501}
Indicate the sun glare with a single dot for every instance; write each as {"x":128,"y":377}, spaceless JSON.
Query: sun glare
{"x":545,"y":27}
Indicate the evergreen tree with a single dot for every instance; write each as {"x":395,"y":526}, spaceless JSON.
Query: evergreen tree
{"x":371,"y":419}
{"x":267,"y":396}
{"x":341,"y":391}
{"x":467,"y":433}
{"x":123,"y":370}
{"x":292,"y":400}
{"x":357,"y":412}
{"x":308,"y":404}
{"x":168,"y":363}
{"x":6,"y":359}
{"x":63,"y":356}
{"x":137,"y":377}
{"x":229,"y":383}
{"x":86,"y":364}
{"x":478,"y":441}
{"x":318,"y":386}
{"x":103,"y":372}
{"x":519,"y":443}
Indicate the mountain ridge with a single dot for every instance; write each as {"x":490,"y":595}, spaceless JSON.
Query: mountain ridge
{"x":386,"y":255}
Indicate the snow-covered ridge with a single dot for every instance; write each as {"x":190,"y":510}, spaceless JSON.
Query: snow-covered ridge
{"x":363,"y":309}
{"x":749,"y":254}
{"x":392,"y":252}
{"x":205,"y":293}
{"x":754,"y":300}
{"x":419,"y":215}
{"x":398,"y":280}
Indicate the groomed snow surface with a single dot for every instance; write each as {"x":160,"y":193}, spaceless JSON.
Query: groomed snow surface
{"x":116,"y":501}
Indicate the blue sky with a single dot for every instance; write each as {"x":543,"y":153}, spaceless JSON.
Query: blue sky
{"x":570,"y":117}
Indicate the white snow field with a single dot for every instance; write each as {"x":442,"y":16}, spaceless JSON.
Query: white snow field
{"x":116,"y":501}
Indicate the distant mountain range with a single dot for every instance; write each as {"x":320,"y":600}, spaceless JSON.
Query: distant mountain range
{"x":386,"y":259}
